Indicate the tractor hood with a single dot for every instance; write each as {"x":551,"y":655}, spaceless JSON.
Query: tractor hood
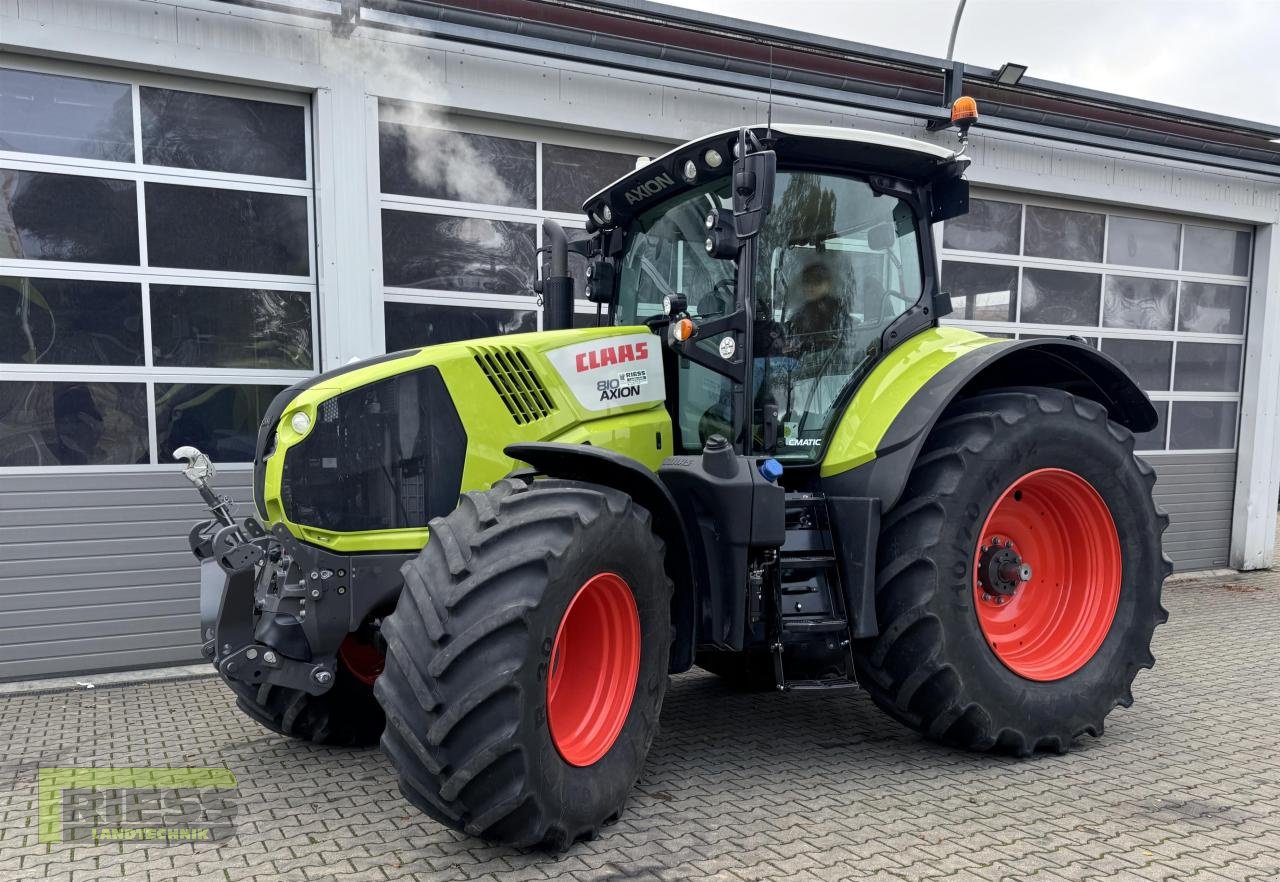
{"x":362,"y":457}
{"x":796,"y":145}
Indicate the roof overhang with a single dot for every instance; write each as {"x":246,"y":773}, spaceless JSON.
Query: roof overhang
{"x":698,"y":47}
{"x":857,"y":150}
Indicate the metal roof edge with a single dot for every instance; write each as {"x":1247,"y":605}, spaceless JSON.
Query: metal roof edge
{"x":512,"y":40}
{"x":871,"y":53}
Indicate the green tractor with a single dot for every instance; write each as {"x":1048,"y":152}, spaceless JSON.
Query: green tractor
{"x":767,"y":459}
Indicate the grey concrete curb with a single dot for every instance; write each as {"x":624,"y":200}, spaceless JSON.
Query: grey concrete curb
{"x":106,"y":681}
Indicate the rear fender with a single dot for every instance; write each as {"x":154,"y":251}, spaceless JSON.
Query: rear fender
{"x":597,"y":465}
{"x":1064,"y":364}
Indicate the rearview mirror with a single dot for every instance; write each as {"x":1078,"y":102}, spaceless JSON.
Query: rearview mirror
{"x":753,"y":177}
{"x":881,"y":237}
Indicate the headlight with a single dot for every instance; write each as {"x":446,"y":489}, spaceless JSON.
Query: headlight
{"x":300,"y":422}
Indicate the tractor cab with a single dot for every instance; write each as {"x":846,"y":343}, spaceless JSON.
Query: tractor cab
{"x":778,"y":277}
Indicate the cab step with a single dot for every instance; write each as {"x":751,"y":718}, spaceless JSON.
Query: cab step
{"x":814,"y":626}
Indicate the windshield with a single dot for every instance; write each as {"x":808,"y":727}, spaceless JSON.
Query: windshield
{"x":837,"y":264}
{"x":666,"y":255}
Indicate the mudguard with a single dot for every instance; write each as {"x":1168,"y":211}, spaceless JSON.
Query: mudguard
{"x":873,"y":457}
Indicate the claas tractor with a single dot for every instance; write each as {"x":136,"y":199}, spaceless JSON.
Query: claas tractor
{"x":767,"y":458}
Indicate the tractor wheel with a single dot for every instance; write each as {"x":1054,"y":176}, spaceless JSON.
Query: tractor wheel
{"x":346,"y":716}
{"x":526,"y":662}
{"x":1019,"y":576}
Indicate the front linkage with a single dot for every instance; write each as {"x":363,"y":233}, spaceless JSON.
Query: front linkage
{"x":274,"y":610}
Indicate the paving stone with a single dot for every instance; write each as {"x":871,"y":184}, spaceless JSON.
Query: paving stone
{"x":1184,"y":785}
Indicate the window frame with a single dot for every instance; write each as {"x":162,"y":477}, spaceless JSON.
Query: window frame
{"x":144,"y":274}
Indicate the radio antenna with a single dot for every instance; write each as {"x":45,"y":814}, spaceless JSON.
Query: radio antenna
{"x":769,"y":113}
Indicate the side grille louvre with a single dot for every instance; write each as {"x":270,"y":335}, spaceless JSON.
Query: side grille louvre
{"x":514,"y":380}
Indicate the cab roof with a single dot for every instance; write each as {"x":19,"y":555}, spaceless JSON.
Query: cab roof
{"x":857,"y":150}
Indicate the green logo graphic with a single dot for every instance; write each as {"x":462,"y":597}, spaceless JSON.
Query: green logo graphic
{"x":137,"y":805}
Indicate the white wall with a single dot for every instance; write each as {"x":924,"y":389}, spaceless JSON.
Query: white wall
{"x":217,"y":40}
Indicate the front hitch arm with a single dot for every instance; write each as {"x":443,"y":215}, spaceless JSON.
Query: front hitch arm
{"x":253,"y":583}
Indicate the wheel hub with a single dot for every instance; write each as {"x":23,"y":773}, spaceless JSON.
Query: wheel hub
{"x":1001,"y":570}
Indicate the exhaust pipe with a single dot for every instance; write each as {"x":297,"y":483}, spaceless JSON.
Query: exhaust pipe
{"x":557,"y":287}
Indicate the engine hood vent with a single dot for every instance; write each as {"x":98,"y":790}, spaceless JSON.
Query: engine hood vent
{"x":516,"y":383}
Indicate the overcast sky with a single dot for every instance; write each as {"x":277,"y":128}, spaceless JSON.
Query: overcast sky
{"x":1221,"y":56}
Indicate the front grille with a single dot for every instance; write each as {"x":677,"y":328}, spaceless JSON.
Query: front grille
{"x":515,"y":382}
{"x":384,"y":456}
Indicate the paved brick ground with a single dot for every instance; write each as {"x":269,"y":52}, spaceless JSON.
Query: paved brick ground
{"x":1186,"y":784}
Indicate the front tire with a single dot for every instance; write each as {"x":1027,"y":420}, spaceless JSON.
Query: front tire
{"x":1029,"y":662}
{"x":347,"y":715}
{"x":508,"y":716}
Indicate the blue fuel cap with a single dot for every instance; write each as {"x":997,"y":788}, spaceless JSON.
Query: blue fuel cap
{"x":771,"y":469}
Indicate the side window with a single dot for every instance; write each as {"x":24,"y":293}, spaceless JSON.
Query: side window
{"x":837,"y":265}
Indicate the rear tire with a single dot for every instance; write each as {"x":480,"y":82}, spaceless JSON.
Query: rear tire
{"x":934,"y":666}
{"x":474,"y":662}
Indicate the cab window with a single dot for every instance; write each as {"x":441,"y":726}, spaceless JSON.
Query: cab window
{"x":838,"y":263}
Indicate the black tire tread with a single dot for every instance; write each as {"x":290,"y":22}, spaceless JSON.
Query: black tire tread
{"x":899,"y":665}
{"x":465,"y":606}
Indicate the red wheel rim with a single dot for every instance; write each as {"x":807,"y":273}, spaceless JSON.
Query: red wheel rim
{"x":363,"y":660}
{"x":1051,"y":625}
{"x":593,"y":668}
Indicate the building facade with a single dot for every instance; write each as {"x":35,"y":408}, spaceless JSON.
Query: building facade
{"x":203,"y":202}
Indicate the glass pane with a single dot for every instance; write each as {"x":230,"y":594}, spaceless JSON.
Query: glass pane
{"x":571,"y":174}
{"x":438,"y":164}
{"x":1212,"y":309}
{"x":1136,"y":302}
{"x":1154,"y":440}
{"x":221,"y":420}
{"x":1135,"y":242}
{"x":981,"y":292}
{"x":838,"y":263}
{"x":216,"y":133}
{"x":590,"y":320}
{"x":456,"y":253}
{"x":1056,"y":297}
{"x":65,"y":116}
{"x":1203,"y":425}
{"x":230,"y":230}
{"x":1148,"y":361}
{"x":1210,"y":250}
{"x":49,"y":424}
{"x":195,"y":326}
{"x":1066,"y":235}
{"x":409,"y":325}
{"x":1208,"y":367}
{"x":70,"y":321}
{"x":35,"y":223}
{"x":989,"y":226}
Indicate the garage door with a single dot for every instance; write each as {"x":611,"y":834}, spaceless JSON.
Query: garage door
{"x":157,"y":287}
{"x":1166,"y":296}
